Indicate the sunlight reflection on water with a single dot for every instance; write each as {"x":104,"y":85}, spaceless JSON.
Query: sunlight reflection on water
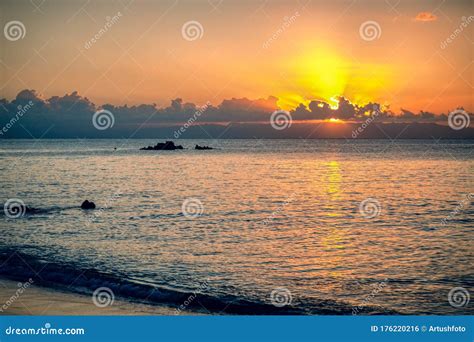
{"x":281,"y":215}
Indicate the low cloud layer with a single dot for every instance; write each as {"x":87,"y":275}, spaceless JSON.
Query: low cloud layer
{"x":73,"y":113}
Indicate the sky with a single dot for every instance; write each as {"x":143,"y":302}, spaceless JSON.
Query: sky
{"x":391,"y":52}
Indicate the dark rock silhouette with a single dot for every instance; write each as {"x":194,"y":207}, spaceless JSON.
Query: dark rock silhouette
{"x":166,"y":146}
{"x":87,"y":205}
{"x":203,"y":148}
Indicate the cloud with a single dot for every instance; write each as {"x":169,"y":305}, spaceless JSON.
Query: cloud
{"x":425,"y":16}
{"x":71,"y":115}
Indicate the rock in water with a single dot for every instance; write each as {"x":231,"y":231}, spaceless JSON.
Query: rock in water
{"x":87,"y":205}
{"x":166,"y":146}
{"x":197,"y":147}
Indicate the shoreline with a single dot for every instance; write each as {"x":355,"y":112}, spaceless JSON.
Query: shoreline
{"x":25,"y":298}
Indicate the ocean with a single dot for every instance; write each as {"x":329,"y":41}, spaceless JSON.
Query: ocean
{"x":307,"y":227}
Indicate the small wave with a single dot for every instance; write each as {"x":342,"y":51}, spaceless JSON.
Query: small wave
{"x":31,"y":211}
{"x":20,"y":266}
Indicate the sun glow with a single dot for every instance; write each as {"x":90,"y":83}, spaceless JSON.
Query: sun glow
{"x":324,"y":74}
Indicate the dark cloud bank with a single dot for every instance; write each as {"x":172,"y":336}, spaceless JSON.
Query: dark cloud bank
{"x":70,"y":116}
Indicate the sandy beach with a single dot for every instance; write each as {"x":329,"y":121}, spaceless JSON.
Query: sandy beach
{"x":36,"y":300}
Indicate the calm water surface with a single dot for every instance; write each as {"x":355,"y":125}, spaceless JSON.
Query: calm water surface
{"x":275,"y":215}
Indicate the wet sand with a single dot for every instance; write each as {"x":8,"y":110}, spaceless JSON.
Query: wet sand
{"x":36,"y":300}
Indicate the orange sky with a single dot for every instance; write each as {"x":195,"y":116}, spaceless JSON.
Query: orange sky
{"x":294,"y":51}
